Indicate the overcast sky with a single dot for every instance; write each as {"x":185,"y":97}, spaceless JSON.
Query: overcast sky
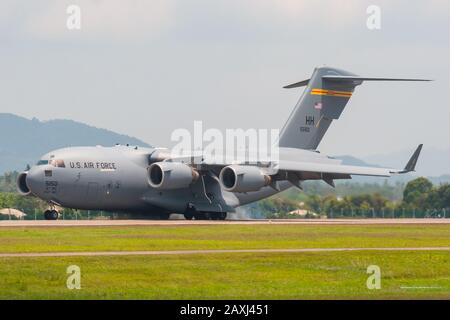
{"x":145,"y":68}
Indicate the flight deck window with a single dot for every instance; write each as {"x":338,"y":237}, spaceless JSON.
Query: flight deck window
{"x":42,"y":162}
{"x":58,"y":163}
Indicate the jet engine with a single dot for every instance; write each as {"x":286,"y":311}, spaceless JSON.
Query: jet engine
{"x":22,"y":184}
{"x":236,"y":178}
{"x":171,"y":175}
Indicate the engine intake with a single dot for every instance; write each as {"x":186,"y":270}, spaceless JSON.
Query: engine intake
{"x":22,"y":184}
{"x":243,"y":178}
{"x":171,"y":175}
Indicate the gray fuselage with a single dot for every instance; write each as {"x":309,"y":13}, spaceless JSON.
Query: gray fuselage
{"x":116,"y":179}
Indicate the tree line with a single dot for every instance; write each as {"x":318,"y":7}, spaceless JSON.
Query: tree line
{"x":420,"y":198}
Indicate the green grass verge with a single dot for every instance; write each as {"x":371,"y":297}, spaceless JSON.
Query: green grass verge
{"x":231,"y":276}
{"x":220,"y":237}
{"x":319,"y":275}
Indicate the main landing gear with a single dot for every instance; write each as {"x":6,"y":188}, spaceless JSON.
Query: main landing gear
{"x":51,"y":214}
{"x":205,"y":215}
{"x":192,"y":213}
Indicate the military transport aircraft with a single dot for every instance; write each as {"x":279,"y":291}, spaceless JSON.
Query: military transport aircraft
{"x":151,"y":181}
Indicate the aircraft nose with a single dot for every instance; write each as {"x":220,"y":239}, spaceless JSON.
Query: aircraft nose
{"x":35,"y":181}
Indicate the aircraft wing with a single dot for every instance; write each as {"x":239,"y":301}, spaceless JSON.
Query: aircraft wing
{"x":334,"y":169}
{"x":296,"y":171}
{"x":339,"y":169}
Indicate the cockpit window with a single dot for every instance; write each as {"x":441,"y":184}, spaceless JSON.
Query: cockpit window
{"x":42,"y":162}
{"x":58,"y":163}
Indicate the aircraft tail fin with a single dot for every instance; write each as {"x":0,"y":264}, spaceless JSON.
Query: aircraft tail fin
{"x":325,"y":97}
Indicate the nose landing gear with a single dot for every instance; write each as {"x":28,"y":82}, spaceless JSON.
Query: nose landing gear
{"x":51,"y":214}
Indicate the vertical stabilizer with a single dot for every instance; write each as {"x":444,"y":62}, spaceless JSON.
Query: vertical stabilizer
{"x":325,"y":97}
{"x":322,"y":102}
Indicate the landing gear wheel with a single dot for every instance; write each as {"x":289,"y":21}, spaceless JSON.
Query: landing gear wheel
{"x":190,"y":212}
{"x":51,"y":215}
{"x":54,"y":215}
{"x":200,"y":216}
{"x":217,"y":215}
{"x":188,"y":216}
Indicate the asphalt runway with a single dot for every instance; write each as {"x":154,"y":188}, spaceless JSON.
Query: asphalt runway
{"x":188,"y":252}
{"x":106,"y":223}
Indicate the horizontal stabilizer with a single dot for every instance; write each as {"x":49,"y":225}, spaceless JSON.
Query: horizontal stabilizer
{"x":336,"y":78}
{"x":358,"y":78}
{"x":297,"y":84}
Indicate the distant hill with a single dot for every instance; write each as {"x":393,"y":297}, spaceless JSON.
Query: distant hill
{"x":23,"y":141}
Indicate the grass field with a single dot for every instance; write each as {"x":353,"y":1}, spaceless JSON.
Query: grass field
{"x":51,"y":239}
{"x":324,"y":275}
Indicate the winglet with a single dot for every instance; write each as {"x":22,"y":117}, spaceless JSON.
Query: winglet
{"x":411,"y":165}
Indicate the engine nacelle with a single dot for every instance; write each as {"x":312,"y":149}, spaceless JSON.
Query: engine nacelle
{"x":236,"y":178}
{"x":171,"y":175}
{"x":22,"y":184}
